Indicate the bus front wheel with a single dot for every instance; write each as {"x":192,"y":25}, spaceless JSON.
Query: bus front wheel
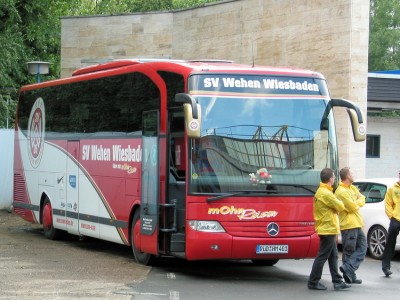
{"x":140,"y":257}
{"x":47,"y":220}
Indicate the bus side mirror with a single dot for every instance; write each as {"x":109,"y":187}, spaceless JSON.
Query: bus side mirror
{"x":192,"y":114}
{"x":359,"y":132}
{"x":356,"y":118}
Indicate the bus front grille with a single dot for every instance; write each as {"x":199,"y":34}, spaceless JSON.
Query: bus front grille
{"x":259,"y":229}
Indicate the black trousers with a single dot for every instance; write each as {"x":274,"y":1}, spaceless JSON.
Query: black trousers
{"x":388,"y":253}
{"x":327,"y":252}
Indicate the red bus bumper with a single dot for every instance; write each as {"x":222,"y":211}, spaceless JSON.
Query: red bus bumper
{"x":204,"y":246}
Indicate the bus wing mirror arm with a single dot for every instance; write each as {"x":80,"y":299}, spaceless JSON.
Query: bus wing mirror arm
{"x":186,"y":98}
{"x":356,"y":117}
{"x":350,"y":105}
{"x":192,"y":114}
{"x":325,"y":122}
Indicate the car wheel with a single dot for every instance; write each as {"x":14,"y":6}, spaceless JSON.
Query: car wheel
{"x":377,"y":237}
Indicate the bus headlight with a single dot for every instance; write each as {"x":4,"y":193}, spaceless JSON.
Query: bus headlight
{"x":206,"y":226}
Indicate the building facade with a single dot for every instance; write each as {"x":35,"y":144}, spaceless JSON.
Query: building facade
{"x":330,"y":37}
{"x":383,"y":139}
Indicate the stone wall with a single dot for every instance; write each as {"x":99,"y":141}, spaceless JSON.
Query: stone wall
{"x":327,"y":36}
{"x":89,"y":40}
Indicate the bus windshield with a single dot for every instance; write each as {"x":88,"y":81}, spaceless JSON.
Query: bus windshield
{"x":261,"y":144}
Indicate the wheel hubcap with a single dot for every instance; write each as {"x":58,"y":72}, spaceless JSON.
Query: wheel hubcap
{"x":136,"y":236}
{"x":377,"y":242}
{"x":47,"y":216}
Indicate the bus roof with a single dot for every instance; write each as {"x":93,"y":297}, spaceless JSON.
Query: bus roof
{"x":201,"y":65}
{"x":187,"y":67}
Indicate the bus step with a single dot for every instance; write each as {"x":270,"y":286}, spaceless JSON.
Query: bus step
{"x":173,"y":206}
{"x":177,"y":242}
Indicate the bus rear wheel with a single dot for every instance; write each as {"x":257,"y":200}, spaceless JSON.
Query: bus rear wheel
{"x":47,"y":220}
{"x":140,"y":257}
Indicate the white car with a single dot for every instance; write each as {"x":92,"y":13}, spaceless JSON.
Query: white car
{"x":373,"y":212}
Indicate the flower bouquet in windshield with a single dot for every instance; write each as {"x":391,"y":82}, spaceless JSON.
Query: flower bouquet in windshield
{"x":261,"y":177}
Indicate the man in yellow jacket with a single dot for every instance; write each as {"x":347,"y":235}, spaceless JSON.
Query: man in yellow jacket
{"x":326,"y":209}
{"x":392,"y":209}
{"x":351,"y":223}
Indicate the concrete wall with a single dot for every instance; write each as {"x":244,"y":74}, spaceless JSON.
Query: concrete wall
{"x":388,"y":164}
{"x":327,"y":36}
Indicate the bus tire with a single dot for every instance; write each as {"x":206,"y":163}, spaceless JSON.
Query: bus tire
{"x":50,"y":232}
{"x":265,"y":262}
{"x":140,"y":257}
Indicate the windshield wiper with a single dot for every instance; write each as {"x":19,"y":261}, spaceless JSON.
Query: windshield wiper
{"x":270,"y":190}
{"x":238,"y":193}
{"x":294,"y":185}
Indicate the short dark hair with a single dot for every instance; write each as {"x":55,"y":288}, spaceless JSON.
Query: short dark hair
{"x":344,"y":172}
{"x":326,"y":175}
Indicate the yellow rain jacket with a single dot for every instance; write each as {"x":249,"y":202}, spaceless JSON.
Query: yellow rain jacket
{"x":392,"y":202}
{"x":352,"y":199}
{"x":326,"y":209}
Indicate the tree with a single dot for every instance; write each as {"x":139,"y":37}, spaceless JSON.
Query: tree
{"x":31,"y":31}
{"x":28,"y":31}
{"x":384,"y":40}
{"x":11,"y":53}
{"x":7,"y":109}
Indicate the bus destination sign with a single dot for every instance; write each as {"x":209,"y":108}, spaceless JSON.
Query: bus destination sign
{"x":260,"y":85}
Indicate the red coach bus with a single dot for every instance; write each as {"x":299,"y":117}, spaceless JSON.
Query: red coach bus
{"x":191,"y":159}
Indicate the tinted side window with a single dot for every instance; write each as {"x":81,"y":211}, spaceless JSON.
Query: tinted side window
{"x":25,"y":104}
{"x":175,"y":84}
{"x":110,"y":105}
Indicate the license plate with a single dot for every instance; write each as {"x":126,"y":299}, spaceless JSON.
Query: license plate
{"x":269,"y":249}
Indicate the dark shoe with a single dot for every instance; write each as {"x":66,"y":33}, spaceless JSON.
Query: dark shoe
{"x":319,"y":286}
{"x":387,"y":272}
{"x":346,"y":276}
{"x":356,"y":280}
{"x":341,"y":286}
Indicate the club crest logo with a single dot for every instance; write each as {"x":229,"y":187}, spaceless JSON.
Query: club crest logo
{"x":36,"y":127}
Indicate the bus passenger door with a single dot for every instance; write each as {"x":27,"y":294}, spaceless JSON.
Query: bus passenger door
{"x":72,"y":202}
{"x":150,"y":183}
